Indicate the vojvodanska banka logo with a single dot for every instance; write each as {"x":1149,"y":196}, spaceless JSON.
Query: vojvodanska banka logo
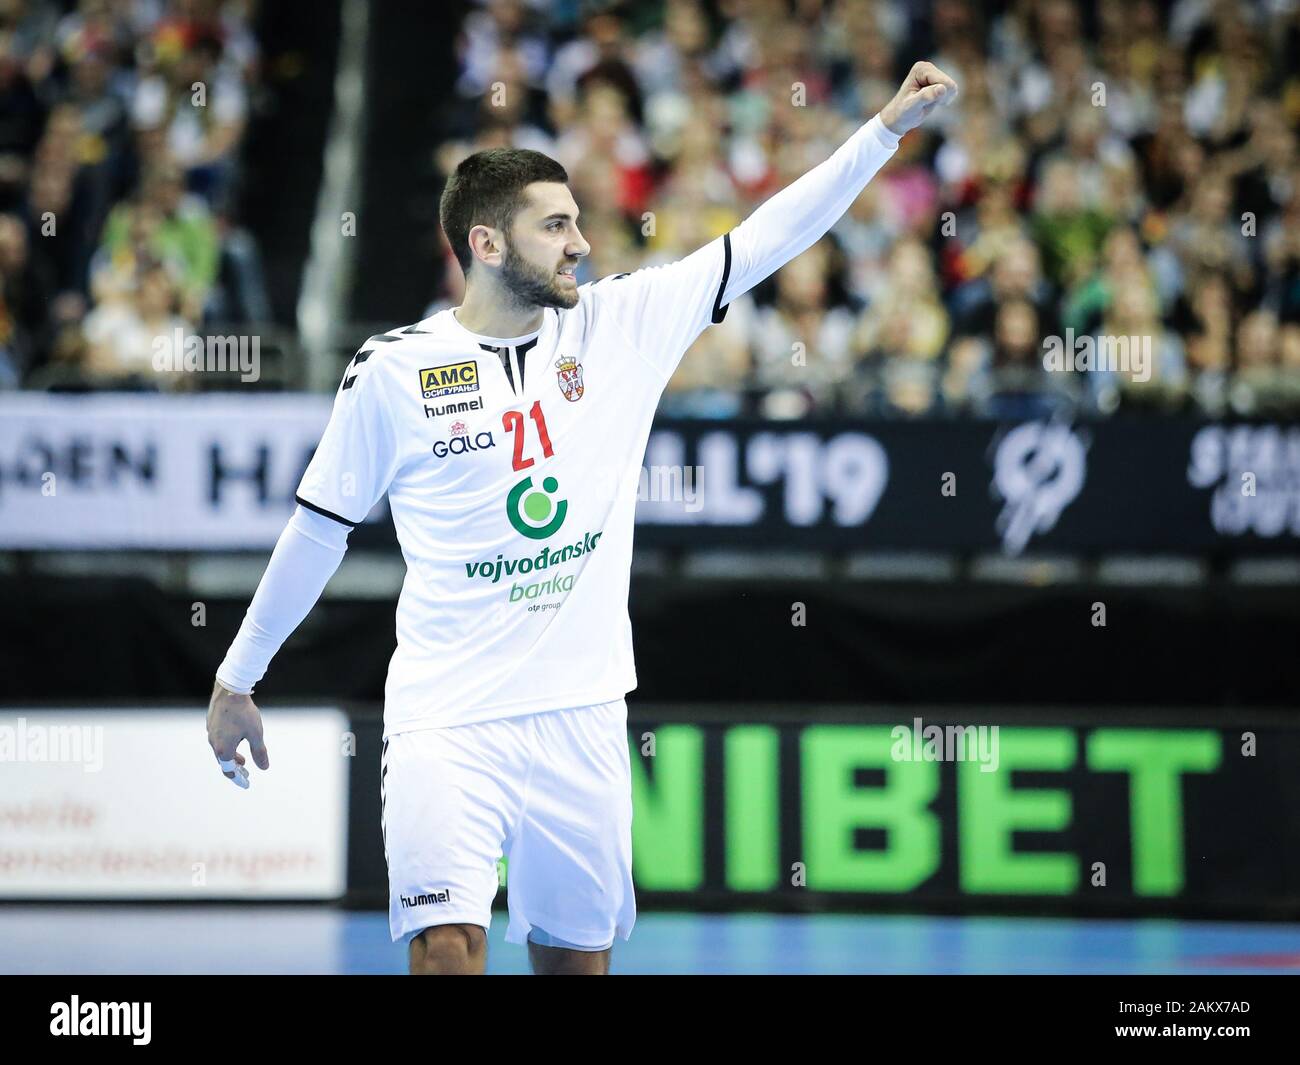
{"x":529,"y":511}
{"x":548,"y":556}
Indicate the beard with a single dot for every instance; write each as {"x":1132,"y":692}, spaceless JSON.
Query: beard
{"x":534,"y":286}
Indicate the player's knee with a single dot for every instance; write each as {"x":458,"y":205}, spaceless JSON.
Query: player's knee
{"x":447,"y":949}
{"x":567,"y":961}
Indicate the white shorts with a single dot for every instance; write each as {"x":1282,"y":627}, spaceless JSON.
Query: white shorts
{"x":552,"y":792}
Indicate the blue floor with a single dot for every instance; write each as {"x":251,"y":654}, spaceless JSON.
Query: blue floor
{"x":276,"y":939}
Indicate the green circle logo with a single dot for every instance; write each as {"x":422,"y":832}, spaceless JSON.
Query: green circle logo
{"x":532,"y":512}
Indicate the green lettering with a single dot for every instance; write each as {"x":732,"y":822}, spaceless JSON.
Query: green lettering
{"x":753,"y":777}
{"x":1155,"y":759}
{"x":668,"y":829}
{"x":833,"y":807}
{"x":989,"y":809}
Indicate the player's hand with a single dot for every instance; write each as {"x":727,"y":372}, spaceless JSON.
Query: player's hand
{"x":233,"y":718}
{"x":925,"y":88}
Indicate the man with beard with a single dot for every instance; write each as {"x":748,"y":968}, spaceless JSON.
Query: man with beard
{"x":505,"y":726}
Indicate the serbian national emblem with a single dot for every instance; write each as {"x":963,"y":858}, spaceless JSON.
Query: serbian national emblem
{"x":568,"y":374}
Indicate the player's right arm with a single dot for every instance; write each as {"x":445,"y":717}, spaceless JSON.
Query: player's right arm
{"x":305,"y":557}
{"x":353,"y":466}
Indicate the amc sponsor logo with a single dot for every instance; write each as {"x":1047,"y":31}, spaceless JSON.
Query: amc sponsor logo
{"x":454,"y":379}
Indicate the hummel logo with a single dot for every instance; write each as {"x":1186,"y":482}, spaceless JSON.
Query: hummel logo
{"x":427,"y":900}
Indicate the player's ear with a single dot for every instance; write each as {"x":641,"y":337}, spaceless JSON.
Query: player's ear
{"x":486,"y":244}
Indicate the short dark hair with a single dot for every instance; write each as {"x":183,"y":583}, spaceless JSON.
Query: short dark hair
{"x":488,"y":189}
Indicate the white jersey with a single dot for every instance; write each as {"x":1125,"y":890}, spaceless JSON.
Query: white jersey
{"x":511,"y":467}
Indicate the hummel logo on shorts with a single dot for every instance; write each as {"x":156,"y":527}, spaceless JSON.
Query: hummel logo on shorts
{"x":427,"y":900}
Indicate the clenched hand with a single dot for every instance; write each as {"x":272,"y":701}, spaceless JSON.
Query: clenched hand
{"x":924,"y":89}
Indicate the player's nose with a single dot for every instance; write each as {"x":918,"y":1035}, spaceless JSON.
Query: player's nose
{"x":578,"y":246}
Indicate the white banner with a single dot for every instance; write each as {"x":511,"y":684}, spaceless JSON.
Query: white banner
{"x":183,"y":472}
{"x":132,"y":804}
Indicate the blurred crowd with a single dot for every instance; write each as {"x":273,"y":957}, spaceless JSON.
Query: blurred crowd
{"x":120,"y":124}
{"x":1116,"y":169}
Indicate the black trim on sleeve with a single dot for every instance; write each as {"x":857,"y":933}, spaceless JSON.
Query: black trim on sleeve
{"x":323,"y":512}
{"x":364,"y":353}
{"x":719,"y":311}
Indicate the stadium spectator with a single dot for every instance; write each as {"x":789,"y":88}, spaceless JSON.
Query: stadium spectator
{"x":1127,"y":164}
{"x":135,"y":335}
{"x":804,"y":342}
{"x":167,"y":224}
{"x":120,"y":126}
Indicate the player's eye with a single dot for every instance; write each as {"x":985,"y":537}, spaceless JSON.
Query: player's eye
{"x":556,"y":225}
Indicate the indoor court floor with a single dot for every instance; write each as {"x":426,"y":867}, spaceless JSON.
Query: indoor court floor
{"x":107,"y":938}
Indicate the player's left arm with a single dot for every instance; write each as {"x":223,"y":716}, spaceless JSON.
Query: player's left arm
{"x":663,"y":309}
{"x":794,"y":219}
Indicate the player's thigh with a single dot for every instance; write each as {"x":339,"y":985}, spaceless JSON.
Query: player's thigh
{"x":448,"y":801}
